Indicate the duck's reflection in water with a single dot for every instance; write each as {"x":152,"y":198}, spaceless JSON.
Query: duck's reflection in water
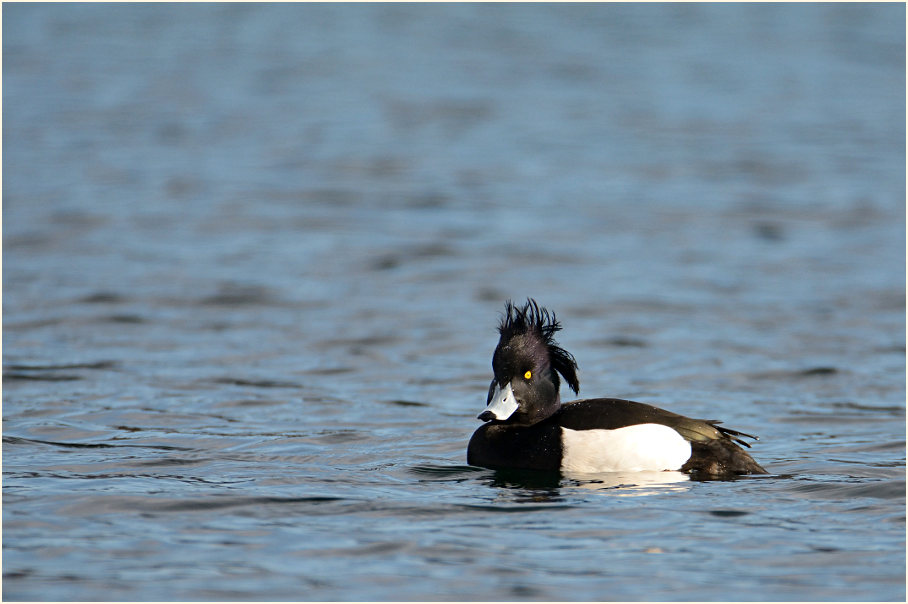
{"x":555,"y":486}
{"x":629,"y":484}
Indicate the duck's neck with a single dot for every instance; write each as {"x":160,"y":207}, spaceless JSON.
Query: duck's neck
{"x":551,"y":408}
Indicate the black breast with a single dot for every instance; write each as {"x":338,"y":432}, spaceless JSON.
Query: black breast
{"x":499,"y":446}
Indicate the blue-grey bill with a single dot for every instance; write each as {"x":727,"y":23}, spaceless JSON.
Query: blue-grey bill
{"x":503,"y":403}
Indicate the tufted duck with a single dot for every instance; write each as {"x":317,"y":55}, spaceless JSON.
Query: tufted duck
{"x":527,"y":426}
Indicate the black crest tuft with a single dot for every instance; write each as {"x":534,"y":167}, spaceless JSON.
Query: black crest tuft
{"x":533,"y":319}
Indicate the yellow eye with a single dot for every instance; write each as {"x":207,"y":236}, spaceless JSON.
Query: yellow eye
{"x":528,"y":374}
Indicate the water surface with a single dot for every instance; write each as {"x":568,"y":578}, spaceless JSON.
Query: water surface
{"x":254,"y":256}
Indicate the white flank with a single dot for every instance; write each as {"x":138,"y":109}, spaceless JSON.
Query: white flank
{"x":503,"y":403}
{"x":637,"y":448}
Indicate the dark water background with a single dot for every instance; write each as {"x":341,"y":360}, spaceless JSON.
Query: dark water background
{"x":254,"y":256}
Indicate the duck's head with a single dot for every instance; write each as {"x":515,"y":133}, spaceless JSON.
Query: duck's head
{"x":526,"y":363}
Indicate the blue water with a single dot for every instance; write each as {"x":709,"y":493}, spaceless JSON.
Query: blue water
{"x":254,"y":256}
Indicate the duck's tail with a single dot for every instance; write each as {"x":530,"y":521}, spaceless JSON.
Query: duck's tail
{"x":721,"y":458}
